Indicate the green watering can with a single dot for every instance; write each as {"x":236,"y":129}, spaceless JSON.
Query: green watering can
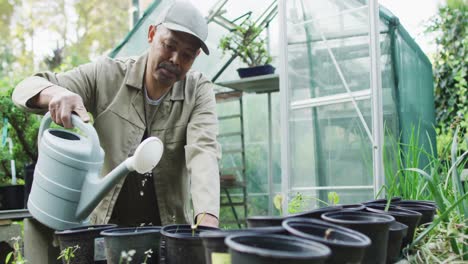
{"x":67,"y":184}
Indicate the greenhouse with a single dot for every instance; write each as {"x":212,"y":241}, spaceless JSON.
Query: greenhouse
{"x":323,"y":94}
{"x":342,"y":140}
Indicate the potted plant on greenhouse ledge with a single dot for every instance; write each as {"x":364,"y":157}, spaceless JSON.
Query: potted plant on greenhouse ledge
{"x":246,"y":42}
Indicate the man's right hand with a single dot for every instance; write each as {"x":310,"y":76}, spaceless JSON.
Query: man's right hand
{"x":61,"y":103}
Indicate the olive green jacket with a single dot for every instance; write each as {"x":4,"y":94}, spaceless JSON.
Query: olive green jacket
{"x":185,"y":122}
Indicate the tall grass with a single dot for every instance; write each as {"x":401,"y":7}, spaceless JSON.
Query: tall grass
{"x":437,"y":180}
{"x":397,"y":157}
{"x":448,"y":191}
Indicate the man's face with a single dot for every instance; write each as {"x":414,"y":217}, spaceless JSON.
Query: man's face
{"x":171,"y":55}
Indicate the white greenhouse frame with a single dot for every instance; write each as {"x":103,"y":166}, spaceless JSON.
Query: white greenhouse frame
{"x":374,"y":93}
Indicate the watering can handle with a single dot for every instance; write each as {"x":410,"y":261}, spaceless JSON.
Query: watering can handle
{"x":87,"y":128}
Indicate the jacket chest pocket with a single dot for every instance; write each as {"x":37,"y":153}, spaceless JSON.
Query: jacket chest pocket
{"x":174,"y":139}
{"x":175,"y":134}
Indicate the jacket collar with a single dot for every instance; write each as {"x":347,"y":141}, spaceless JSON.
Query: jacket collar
{"x":136,"y":76}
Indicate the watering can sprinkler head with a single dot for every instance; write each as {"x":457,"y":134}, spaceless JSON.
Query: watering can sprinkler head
{"x":146,"y":157}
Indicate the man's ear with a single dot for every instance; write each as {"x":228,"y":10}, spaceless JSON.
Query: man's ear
{"x":151,"y":33}
{"x":198,"y":52}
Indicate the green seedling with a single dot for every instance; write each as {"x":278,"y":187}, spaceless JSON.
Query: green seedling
{"x":195,"y":226}
{"x":333,"y":198}
{"x":68,"y":253}
{"x":15,"y":257}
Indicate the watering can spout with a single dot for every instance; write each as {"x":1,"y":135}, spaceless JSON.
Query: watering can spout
{"x":146,"y":157}
{"x":95,"y":188}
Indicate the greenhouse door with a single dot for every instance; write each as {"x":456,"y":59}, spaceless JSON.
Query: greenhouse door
{"x":330,"y":92}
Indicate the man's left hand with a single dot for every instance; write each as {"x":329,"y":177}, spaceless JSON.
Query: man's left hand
{"x":208,"y":220}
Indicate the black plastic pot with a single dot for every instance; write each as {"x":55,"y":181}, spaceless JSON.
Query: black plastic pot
{"x":383,"y":201}
{"x":180,"y":245}
{"x":347,"y":245}
{"x":144,"y":240}
{"x":256,"y":71}
{"x":396,"y":234}
{"x":278,"y":249}
{"x":407,"y":217}
{"x":11,"y":197}
{"x":353,"y":207}
{"x":264,"y":221}
{"x":317,"y":213}
{"x":427,"y":210}
{"x":423,"y":202}
{"x":216,"y":249}
{"x":375,"y":226}
{"x":28,"y":180}
{"x":87,"y":238}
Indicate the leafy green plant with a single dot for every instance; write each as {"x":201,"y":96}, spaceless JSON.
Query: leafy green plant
{"x":298,"y":203}
{"x":433,"y":248}
{"x":333,"y":198}
{"x":439,"y":180}
{"x":22,"y":129}
{"x":68,"y":253}
{"x":399,"y":156}
{"x":278,"y":203}
{"x":448,"y":191}
{"x":246,"y":42}
{"x":15,"y":257}
{"x":450,"y":71}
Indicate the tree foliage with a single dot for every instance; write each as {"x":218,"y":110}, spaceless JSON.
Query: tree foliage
{"x":80,"y":30}
{"x":450,"y":64}
{"x":22,"y":129}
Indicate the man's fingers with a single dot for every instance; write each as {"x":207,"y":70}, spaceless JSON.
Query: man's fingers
{"x":52,"y":114}
{"x":54,"y":109}
{"x":58,"y":116}
{"x":82,"y":113}
{"x":63,"y":105}
{"x":66,"y":117}
{"x":208,"y":220}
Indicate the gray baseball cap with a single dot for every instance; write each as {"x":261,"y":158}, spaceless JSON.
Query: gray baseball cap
{"x":183,"y":16}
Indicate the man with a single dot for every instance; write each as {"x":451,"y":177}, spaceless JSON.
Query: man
{"x":133,"y":98}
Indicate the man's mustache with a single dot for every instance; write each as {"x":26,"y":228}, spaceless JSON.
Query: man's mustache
{"x":171,"y":68}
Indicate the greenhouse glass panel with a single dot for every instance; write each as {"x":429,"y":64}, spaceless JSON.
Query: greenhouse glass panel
{"x":256,"y":144}
{"x":330,"y":118}
{"x":330,"y":149}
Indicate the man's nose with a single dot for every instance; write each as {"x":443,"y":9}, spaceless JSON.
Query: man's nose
{"x":175,"y":58}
